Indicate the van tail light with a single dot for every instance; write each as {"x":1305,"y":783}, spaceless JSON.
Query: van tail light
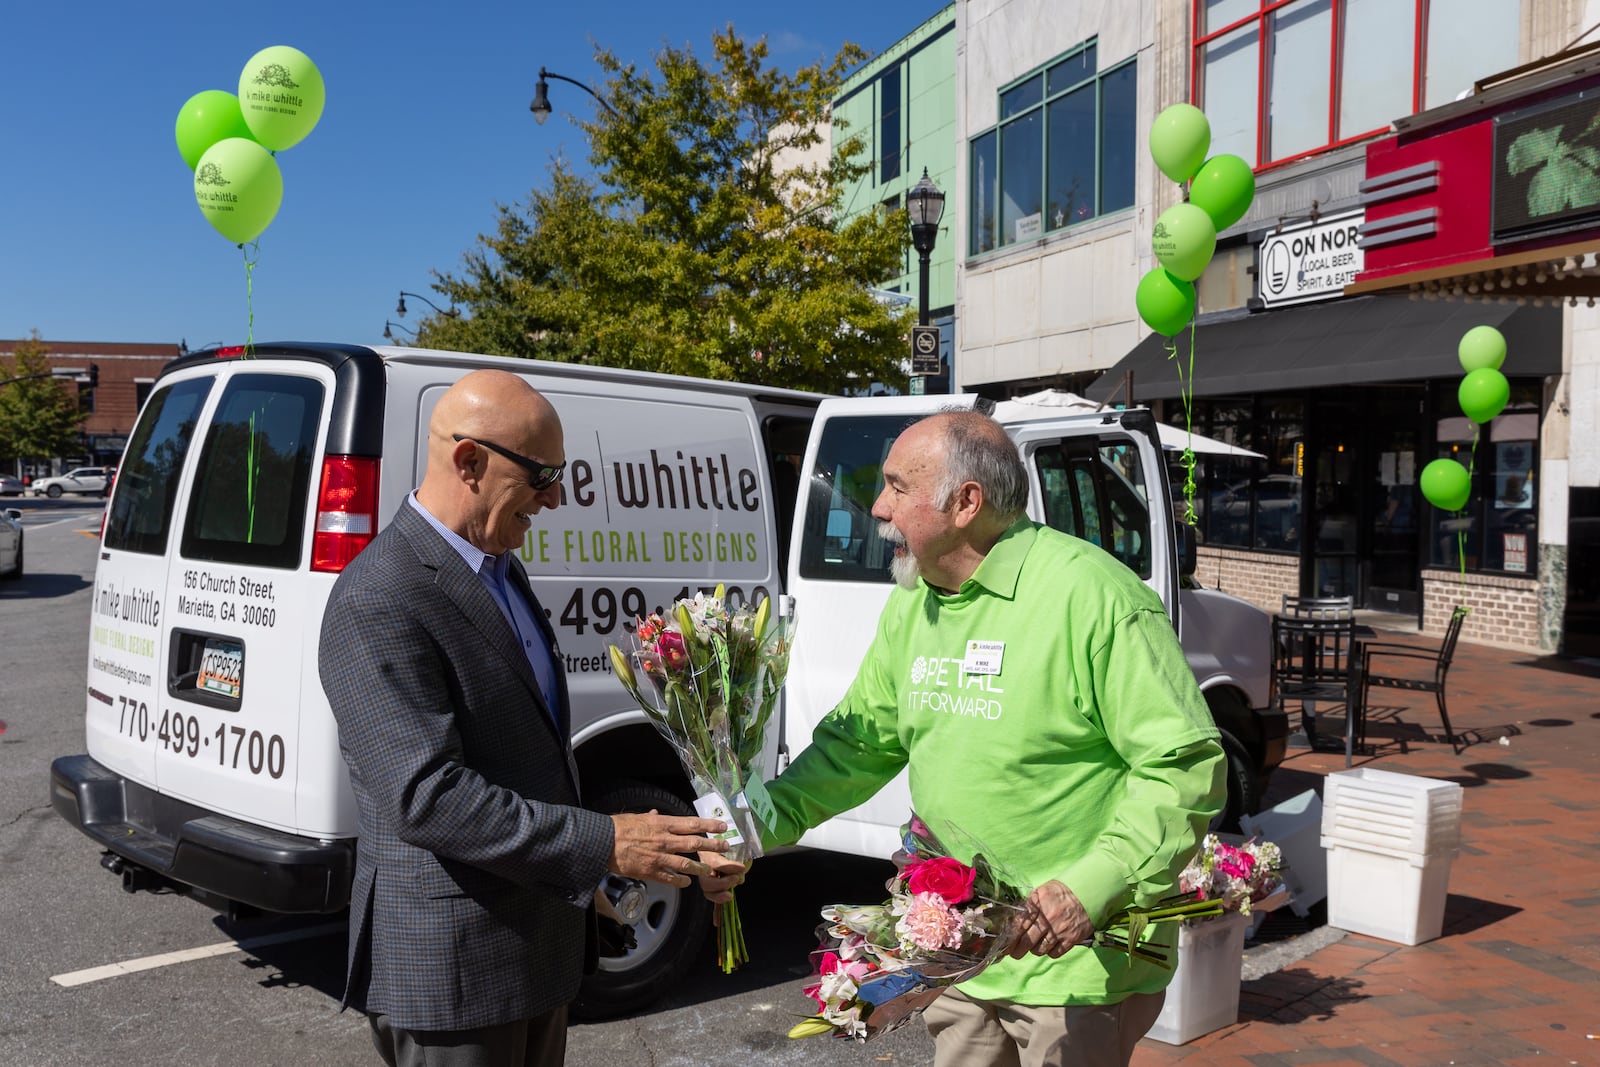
{"x":347,"y":511}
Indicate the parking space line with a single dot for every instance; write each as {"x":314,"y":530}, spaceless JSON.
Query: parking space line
{"x":167,"y":959}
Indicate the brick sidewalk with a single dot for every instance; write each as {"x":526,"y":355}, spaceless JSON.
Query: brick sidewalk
{"x":1515,"y":977}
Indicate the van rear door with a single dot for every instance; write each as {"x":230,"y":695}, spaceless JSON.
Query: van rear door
{"x":127,"y":655}
{"x":239,"y":600}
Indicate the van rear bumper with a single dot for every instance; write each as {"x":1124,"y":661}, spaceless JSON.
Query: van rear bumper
{"x":216,"y":854}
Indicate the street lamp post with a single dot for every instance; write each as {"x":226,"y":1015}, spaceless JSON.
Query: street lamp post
{"x":389,"y":327}
{"x":400,"y":308}
{"x":925,"y":205}
{"x":541,"y":96}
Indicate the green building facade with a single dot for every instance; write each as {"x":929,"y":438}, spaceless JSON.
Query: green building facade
{"x":902,"y":104}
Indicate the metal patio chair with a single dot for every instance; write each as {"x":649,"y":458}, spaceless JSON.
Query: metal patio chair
{"x":1313,"y":663}
{"x":1378,"y":653}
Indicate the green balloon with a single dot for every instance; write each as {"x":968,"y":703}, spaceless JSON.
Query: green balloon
{"x":1446,"y":484}
{"x":1183,"y":240}
{"x":206,"y":118}
{"x":1223,"y":189}
{"x":1482,"y":347}
{"x":238,"y":187}
{"x":1165,"y":303}
{"x":281,"y":95}
{"x":1180,"y":137}
{"x":1483,"y":394}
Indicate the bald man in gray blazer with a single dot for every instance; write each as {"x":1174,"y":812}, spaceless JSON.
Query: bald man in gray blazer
{"x":476,"y":867}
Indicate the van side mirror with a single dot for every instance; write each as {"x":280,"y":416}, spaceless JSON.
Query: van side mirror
{"x":1188,"y":554}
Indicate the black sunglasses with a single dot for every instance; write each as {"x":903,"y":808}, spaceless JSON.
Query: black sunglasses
{"x":540,"y":475}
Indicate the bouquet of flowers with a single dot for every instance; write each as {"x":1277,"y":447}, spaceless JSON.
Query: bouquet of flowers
{"x":879,"y":965}
{"x":709,"y":678}
{"x":1243,"y":878}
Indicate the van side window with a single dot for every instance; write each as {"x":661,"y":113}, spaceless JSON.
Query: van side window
{"x":254,"y":474}
{"x":1095,"y":489}
{"x":841,"y":541}
{"x":147,"y":484}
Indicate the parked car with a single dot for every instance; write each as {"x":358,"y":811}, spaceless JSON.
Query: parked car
{"x":78,"y":480}
{"x":10,"y":543}
{"x":10,"y":486}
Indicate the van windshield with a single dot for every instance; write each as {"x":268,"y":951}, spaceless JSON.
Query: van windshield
{"x":147,"y":484}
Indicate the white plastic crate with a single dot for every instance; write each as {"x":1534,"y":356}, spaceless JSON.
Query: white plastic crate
{"x":1397,"y":898}
{"x":1204,"y":993}
{"x":1400,"y":811}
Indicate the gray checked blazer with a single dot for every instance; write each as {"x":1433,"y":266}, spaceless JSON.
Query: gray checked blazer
{"x":475,"y":868}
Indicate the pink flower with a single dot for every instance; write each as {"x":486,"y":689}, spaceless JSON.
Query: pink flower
{"x":950,"y":879}
{"x":1234,"y":862}
{"x":930,"y":923}
{"x":669,"y":646}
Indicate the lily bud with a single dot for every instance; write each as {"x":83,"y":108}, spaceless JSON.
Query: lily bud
{"x":812,"y":1027}
{"x":721,"y":591}
{"x":624,"y":669}
{"x":763,"y":615}
{"x":685,"y":622}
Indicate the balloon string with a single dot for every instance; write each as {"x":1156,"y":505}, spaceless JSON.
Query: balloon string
{"x":1186,"y":390}
{"x":251,"y":471}
{"x":1461,"y":534}
{"x":251,"y":255}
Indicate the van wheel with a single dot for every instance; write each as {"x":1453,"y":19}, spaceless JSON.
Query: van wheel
{"x":670,"y":936}
{"x":1244,"y":786}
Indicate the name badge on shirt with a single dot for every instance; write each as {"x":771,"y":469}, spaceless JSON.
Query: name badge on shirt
{"x":983,"y":657}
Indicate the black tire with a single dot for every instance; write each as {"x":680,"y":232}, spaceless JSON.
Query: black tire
{"x":54,"y":492}
{"x":1244,"y":786}
{"x":17,"y":572}
{"x":669,"y":939}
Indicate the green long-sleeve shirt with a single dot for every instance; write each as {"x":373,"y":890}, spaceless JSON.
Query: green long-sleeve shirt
{"x":1090,"y":757}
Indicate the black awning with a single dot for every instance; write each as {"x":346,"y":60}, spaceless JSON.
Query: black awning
{"x":1342,"y":342}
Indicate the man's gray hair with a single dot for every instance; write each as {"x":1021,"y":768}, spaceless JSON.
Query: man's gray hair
{"x":978,"y":449}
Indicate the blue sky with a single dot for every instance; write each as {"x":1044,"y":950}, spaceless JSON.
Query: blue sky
{"x":426,"y":129}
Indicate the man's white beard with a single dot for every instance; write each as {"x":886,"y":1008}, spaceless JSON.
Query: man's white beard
{"x":903,"y":565}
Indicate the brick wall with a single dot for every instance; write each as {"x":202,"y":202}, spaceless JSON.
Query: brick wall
{"x":1505,"y":611}
{"x":1262,"y":578}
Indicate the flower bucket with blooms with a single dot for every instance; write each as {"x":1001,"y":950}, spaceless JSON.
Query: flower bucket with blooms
{"x":1243,"y":878}
{"x":879,"y":965}
{"x":709,"y":678}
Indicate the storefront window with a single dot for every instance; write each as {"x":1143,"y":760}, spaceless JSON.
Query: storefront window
{"x":1064,"y":151}
{"x":1241,"y":502}
{"x":1497,"y":530}
{"x":1284,"y":78}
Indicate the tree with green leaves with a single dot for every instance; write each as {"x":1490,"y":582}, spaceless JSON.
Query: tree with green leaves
{"x":39,"y":416}
{"x":708,"y":241}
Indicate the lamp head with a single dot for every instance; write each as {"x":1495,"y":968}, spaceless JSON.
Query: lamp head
{"x":400,"y":308}
{"x":925,"y":205}
{"x":541,"y":99}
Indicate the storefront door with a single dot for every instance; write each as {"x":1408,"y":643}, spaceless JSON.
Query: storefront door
{"x":1362,"y":456}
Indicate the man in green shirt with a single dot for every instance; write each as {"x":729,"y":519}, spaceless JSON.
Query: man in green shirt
{"x":1035,"y":689}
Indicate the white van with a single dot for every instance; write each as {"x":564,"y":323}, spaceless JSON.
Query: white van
{"x":213,"y":764}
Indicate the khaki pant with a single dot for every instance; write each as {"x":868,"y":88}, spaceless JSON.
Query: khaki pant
{"x":996,"y":1033}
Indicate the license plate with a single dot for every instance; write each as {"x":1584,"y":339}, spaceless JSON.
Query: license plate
{"x":222,"y":668}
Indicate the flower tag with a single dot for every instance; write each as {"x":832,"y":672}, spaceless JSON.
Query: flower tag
{"x":983,"y":657}
{"x":715,"y":806}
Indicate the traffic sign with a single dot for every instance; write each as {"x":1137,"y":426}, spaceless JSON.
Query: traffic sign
{"x":925,"y":351}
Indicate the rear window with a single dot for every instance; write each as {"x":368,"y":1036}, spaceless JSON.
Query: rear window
{"x":1096,"y":491}
{"x":147,"y":484}
{"x":254,"y":474}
